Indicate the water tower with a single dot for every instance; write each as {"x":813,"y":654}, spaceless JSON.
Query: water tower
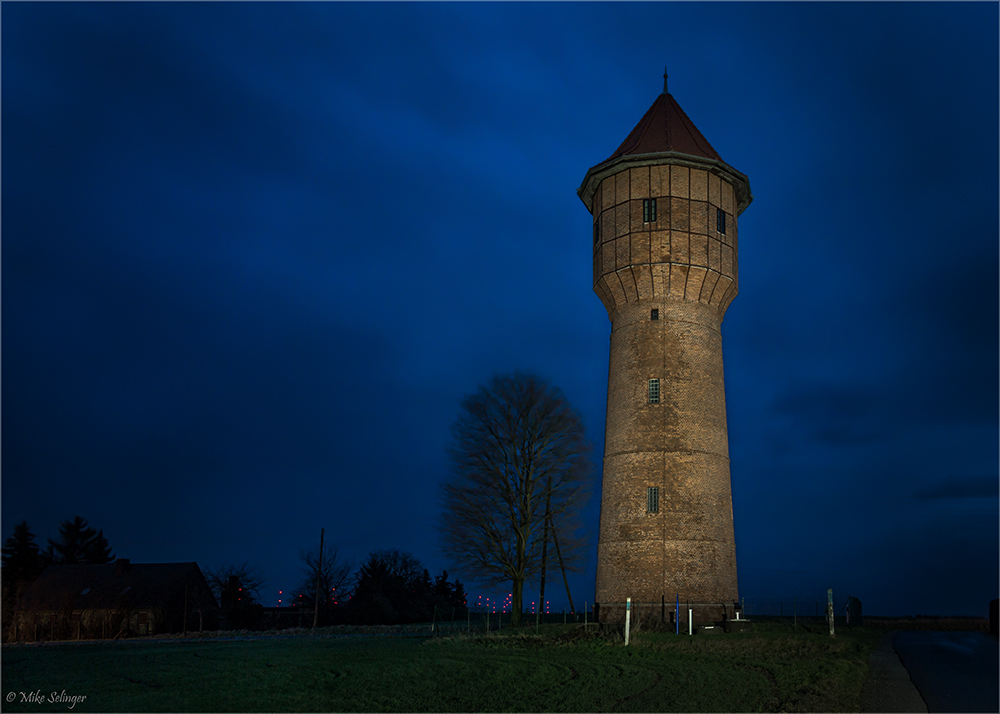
{"x":665,"y":208}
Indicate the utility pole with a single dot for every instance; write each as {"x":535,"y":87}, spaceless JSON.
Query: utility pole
{"x":555,"y":541}
{"x":545,"y":544}
{"x":319,"y":574}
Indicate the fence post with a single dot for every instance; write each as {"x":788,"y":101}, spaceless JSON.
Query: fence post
{"x":829,"y":609}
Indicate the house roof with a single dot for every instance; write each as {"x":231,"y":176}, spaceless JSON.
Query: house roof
{"x":665,"y":127}
{"x":113,"y":585}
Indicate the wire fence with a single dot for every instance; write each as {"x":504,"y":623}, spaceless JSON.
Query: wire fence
{"x":846,"y":611}
{"x":452,"y":621}
{"x":784,"y":608}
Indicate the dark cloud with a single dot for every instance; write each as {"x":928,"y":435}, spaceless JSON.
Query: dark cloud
{"x":962,"y":487}
{"x":835,"y":415}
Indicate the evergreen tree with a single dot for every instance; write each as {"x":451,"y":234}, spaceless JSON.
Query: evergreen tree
{"x":449,"y":598}
{"x":22,"y":563}
{"x":79,"y":544}
{"x":443,"y":590}
{"x":97,"y":550}
{"x":421,"y":599}
{"x":391,"y":587}
{"x":21,"y":557}
{"x":459,"y":598}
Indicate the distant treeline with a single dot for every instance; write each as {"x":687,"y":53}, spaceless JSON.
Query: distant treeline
{"x":390,"y":587}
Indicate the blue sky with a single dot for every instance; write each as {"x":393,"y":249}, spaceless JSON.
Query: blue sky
{"x":254,"y":255}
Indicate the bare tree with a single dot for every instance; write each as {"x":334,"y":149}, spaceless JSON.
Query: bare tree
{"x":519,"y":459}
{"x":334,"y":576}
{"x":250,"y":581}
{"x":239,"y":589}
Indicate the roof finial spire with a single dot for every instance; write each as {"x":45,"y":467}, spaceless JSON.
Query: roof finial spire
{"x":664,"y":79}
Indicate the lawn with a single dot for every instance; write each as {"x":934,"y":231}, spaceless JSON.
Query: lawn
{"x":565,"y":669}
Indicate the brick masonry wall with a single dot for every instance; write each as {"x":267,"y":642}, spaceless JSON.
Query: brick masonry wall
{"x":681,"y":255}
{"x":686,"y":270}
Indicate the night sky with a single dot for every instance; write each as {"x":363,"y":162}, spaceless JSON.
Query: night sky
{"x":254,"y":256}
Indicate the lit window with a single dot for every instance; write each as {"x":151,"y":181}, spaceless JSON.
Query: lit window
{"x":654,"y":391}
{"x":649,"y":210}
{"x":652,"y":499}
{"x":720,"y":221}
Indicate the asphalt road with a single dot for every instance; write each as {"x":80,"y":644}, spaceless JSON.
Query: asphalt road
{"x":953,"y":671}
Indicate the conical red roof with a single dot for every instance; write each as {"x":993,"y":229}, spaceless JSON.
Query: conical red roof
{"x":665,"y":127}
{"x":665,"y":135}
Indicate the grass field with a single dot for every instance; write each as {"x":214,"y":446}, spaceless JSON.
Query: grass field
{"x":564,"y":669}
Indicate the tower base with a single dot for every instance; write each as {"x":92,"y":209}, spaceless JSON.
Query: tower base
{"x":665,"y":613}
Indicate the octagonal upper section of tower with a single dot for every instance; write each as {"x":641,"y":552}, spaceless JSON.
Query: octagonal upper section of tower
{"x":665,"y":208}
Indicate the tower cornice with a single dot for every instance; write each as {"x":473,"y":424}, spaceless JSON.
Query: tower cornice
{"x":598,"y":173}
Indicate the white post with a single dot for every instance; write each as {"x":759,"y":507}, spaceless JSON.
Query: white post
{"x":690,"y":621}
{"x":628,"y":617}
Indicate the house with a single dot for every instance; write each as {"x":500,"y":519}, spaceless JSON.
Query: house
{"x":115,"y":600}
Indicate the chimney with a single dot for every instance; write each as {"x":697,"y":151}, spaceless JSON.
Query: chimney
{"x":121,"y":565}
